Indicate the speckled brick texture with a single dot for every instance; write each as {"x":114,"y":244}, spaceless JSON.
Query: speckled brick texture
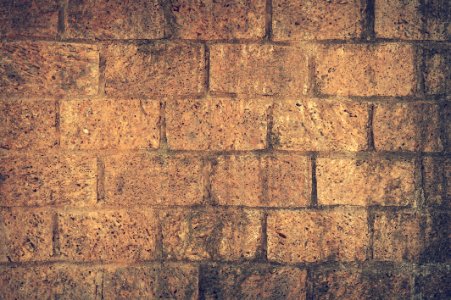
{"x":225,"y":149}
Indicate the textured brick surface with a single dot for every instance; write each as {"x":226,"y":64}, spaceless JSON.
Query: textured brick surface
{"x":258,"y":69}
{"x":318,"y":125}
{"x":366,"y":181}
{"x":154,"y":69}
{"x":433,"y":282}
{"x":47,"y":68}
{"x":365,"y":70}
{"x":311,"y":20}
{"x":302,"y":236}
{"x":217,"y":124}
{"x":437,"y":70}
{"x":110,"y":124}
{"x":178,"y":281}
{"x":436,"y":175}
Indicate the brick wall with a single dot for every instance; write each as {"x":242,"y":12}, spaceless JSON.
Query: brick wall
{"x":255,"y":149}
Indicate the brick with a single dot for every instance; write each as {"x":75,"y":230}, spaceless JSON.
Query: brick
{"x":47,"y":179}
{"x":365,"y":70}
{"x":436,"y":172}
{"x":217,"y":124}
{"x":447,"y":126}
{"x":211,"y":234}
{"x":254,"y":281}
{"x":318,"y":125}
{"x":28,"y":125}
{"x":110,"y":124}
{"x":436,"y":226}
{"x":437,"y":70}
{"x":315,"y":236}
{"x":258,"y":69}
{"x":48,"y":68}
{"x":50,"y":282}
{"x":210,"y":20}
{"x":178,"y":281}
{"x":412,"y":20}
{"x":25,"y":235}
{"x":146,"y":179}
{"x":370,"y":181}
{"x":350,"y":283}
{"x":107,"y":235}
{"x":397,"y":236}
{"x":142,"y":19}
{"x":154,"y":69}
{"x":316,"y":20}
{"x":29,"y":18}
{"x":407,"y":127}
{"x":433,"y":282}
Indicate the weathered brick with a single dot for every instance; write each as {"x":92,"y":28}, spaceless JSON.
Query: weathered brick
{"x":209,"y":20}
{"x":258,"y":69}
{"x":436,"y":173}
{"x":433,"y":282}
{"x":412,"y":20}
{"x":436,"y":226}
{"x":313,"y":236}
{"x":437,"y":70}
{"x":26,"y":125}
{"x":25,"y":235}
{"x":316,"y":20}
{"x":217,"y":124}
{"x":366,"y":181}
{"x":252,"y":282}
{"x":211,"y":234}
{"x":110,"y":124}
{"x":407,"y":127}
{"x":146,"y":179}
{"x":46,"y":179}
{"x":107,"y":235}
{"x":447,"y":126}
{"x":178,"y":281}
{"x":48,"y":68}
{"x":29,"y":18}
{"x":154,"y":69}
{"x":142,"y":19}
{"x":318,"y":125}
{"x":365,"y":70}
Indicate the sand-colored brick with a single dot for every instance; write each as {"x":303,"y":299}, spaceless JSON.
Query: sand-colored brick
{"x":366,"y":181}
{"x":319,"y":125}
{"x":178,"y":281}
{"x":110,"y":124}
{"x":315,"y":236}
{"x":436,"y":175}
{"x":437,"y":70}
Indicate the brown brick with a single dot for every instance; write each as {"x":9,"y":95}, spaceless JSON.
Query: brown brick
{"x":366,"y":181}
{"x":217,"y":124}
{"x":433,"y":282}
{"x":211,"y":234}
{"x":110,"y":124}
{"x":29,"y":18}
{"x":258,"y":69}
{"x":146,"y":179}
{"x":366,"y":70}
{"x":313,"y":236}
{"x":46,"y":179}
{"x":437,"y":70}
{"x":407,"y":127}
{"x":209,"y":20}
{"x":316,"y":20}
{"x":178,"y":281}
{"x":107,"y":235}
{"x":141,"y":19}
{"x":47,"y":68}
{"x":25,"y":235}
{"x":412,"y":20}
{"x":253,"y":282}
{"x":397,"y":236}
{"x":28,"y":125}
{"x":436,"y":173}
{"x":318,"y":125}
{"x":154,"y":69}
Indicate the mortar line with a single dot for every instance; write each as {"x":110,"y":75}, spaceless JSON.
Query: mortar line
{"x":370,"y":128}
{"x":100,"y":186}
{"x":268,"y":20}
{"x":62,"y":15}
{"x":314,"y":196}
{"x":368,"y":33}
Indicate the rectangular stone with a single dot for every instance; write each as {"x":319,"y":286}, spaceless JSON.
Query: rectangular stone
{"x":48,"y":68}
{"x":154,"y":69}
{"x":28,"y":125}
{"x":110,"y":124}
{"x":437,"y":69}
{"x":316,"y":20}
{"x":217,"y":124}
{"x":366,"y":70}
{"x":107,"y":235}
{"x":366,"y":181}
{"x":260,"y":69}
{"x":178,"y":281}
{"x":316,"y":236}
{"x":320,"y":125}
{"x":433,"y":282}
{"x":139,"y":19}
{"x":48,"y":179}
{"x":436,"y":175}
